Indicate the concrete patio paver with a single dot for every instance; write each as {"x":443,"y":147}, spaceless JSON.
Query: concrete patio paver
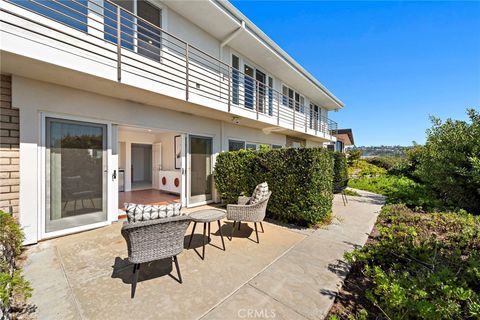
{"x":291,"y":274}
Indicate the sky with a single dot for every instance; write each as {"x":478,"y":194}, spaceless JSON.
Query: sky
{"x":393,"y":64}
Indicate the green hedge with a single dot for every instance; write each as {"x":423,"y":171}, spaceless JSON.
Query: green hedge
{"x":340,"y":171}
{"x":12,"y":284}
{"x":300,"y":181}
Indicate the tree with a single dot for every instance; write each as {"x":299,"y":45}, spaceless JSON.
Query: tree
{"x":450,"y":162}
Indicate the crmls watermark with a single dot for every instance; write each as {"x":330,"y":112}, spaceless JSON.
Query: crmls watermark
{"x":256,"y":313}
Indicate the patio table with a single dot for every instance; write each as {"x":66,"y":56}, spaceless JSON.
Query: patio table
{"x":206,"y":216}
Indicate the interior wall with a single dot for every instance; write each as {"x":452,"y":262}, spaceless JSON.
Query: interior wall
{"x":168,"y":150}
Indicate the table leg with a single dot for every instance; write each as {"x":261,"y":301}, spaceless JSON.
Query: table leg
{"x":221,"y":234}
{"x":191,"y":236}
{"x":204,"y":238}
{"x":209,"y":238}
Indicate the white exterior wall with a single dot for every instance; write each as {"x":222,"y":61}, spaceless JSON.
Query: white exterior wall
{"x":35,"y":98}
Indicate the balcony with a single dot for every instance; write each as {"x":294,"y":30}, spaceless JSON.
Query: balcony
{"x":132,"y":51}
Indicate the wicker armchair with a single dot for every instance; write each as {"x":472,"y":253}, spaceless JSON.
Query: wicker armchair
{"x":154,"y":240}
{"x":248,"y":213}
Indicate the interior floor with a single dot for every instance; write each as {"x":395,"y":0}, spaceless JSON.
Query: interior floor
{"x":141,"y":185}
{"x":150,"y":196}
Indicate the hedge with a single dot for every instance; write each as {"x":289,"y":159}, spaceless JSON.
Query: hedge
{"x":12,"y":284}
{"x":340,"y":171}
{"x":300,"y":181}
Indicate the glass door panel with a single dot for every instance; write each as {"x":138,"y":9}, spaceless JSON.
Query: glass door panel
{"x":149,"y":37}
{"x":261,"y":90}
{"x":200,"y":169}
{"x":75,"y":173}
{"x":249,"y":87}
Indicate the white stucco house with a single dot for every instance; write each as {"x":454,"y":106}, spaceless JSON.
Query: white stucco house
{"x":109,"y":101}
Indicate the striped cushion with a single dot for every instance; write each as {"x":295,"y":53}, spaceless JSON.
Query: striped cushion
{"x":144,"y":212}
{"x":260,"y":192}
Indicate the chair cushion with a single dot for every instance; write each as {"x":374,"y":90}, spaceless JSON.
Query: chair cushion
{"x":143,"y":212}
{"x":260,"y":192}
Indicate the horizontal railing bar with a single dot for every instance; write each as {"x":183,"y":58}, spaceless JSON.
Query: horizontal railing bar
{"x":170,"y":52}
{"x":48,"y":27}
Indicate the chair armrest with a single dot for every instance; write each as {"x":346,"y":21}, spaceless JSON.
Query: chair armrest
{"x":243,"y":200}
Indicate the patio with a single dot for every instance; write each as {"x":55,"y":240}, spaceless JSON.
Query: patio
{"x":292,"y":274}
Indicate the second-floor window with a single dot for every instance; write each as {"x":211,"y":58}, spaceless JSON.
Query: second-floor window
{"x":293,"y":99}
{"x":141,"y":35}
{"x":235,"y":78}
{"x":71,"y":13}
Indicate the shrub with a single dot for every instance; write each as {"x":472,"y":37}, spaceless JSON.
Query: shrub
{"x":398,"y":190}
{"x":300,"y":181}
{"x":361,"y":168}
{"x":340,"y":172}
{"x":421,"y":266}
{"x":233,"y":174}
{"x":353,"y":155}
{"x":386,"y":163}
{"x":450,"y":162}
{"x":12,"y":283}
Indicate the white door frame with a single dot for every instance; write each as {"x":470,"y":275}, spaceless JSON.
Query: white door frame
{"x":111,"y":184}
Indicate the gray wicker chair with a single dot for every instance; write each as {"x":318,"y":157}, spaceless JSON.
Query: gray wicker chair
{"x":154,"y":240}
{"x":247,"y":213}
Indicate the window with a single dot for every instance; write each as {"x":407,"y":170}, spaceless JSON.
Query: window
{"x":249,"y":86}
{"x":72,"y":13}
{"x":339,"y":146}
{"x":235,"y":78}
{"x":292,"y":99}
{"x":270,"y":95}
{"x":235,"y":145}
{"x":251,"y":146}
{"x":276,"y":146}
{"x":315,"y":114}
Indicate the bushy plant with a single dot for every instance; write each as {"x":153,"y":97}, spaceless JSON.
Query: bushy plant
{"x":300,"y":181}
{"x":233,"y":174}
{"x":361,"y":168}
{"x":386,"y":163}
{"x":340,"y":171}
{"x":397,"y":190}
{"x":450,"y":162}
{"x":353,"y":155}
{"x":12,"y":282}
{"x":421,"y":266}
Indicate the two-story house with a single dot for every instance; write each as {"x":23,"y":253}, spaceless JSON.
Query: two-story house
{"x":102,"y":99}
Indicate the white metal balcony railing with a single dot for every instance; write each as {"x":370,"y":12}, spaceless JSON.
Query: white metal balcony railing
{"x":136,"y":46}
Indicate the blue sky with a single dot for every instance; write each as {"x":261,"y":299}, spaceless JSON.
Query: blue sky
{"x":392,"y":63}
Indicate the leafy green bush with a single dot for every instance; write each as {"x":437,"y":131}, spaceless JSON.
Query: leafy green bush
{"x":421,"y":266}
{"x":386,"y":163}
{"x":353,"y":155}
{"x":300,"y":181}
{"x":340,"y":172}
{"x":397,"y":190}
{"x":12,"y":282}
{"x":450,"y":162}
{"x":233,"y":174}
{"x":361,"y":168}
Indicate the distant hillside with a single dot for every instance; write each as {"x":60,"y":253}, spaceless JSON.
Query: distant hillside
{"x":382,"y":151}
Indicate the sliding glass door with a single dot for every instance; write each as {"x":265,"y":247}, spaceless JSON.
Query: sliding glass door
{"x":76,"y":163}
{"x":199,"y":169}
